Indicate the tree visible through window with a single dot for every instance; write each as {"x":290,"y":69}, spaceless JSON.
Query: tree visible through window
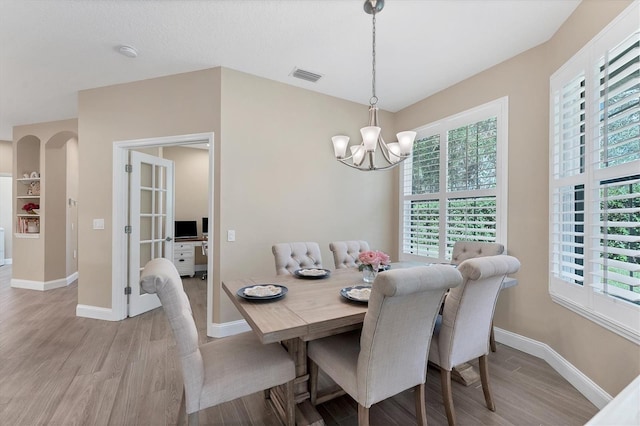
{"x":451,"y":189}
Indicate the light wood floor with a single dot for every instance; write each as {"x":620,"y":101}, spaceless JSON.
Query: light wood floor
{"x":57,"y":369}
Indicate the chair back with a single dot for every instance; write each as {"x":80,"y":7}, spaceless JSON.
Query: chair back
{"x":345,"y":253}
{"x":463,"y":250}
{"x":292,"y":256}
{"x":468,"y":310}
{"x":161,"y":277}
{"x":397,"y":329}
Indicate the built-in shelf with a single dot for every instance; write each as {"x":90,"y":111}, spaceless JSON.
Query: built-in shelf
{"x":27,"y":215}
{"x":27,"y":181}
{"x":37,"y":197}
{"x":30,"y":235}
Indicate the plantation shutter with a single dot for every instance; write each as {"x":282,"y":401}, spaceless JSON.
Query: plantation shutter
{"x":616,"y":210}
{"x":567,"y":233}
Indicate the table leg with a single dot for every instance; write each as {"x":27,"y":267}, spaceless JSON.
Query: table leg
{"x":306,"y":413}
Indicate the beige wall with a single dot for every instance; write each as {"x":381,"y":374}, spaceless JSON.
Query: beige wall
{"x":6,"y":195}
{"x":29,"y":154}
{"x":275,"y":176}
{"x":71,"y":206}
{"x":280,"y":181}
{"x":175,"y":105}
{"x":6,"y":157}
{"x":608,"y":359}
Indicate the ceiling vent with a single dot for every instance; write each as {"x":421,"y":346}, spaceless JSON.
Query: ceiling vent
{"x":305,"y":75}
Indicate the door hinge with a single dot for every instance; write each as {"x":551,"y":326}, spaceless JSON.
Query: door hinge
{"x":128,"y":168}
{"x":127,"y":229}
{"x":127,"y":290}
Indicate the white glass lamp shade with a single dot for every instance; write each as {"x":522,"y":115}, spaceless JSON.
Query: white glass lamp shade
{"x":405,"y":139}
{"x":394,"y":151}
{"x":370,"y":137}
{"x":358,"y":154}
{"x":340,"y":143}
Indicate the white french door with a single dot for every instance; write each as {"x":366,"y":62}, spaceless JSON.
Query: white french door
{"x":151,"y":190}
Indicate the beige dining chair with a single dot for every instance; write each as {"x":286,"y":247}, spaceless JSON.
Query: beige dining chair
{"x":292,"y":256}
{"x":345,"y":253}
{"x":221,"y":370}
{"x":463,"y":250}
{"x":389,"y":355}
{"x":462,"y":332}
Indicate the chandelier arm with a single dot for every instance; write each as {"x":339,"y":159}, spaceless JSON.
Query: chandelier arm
{"x":368,"y":169}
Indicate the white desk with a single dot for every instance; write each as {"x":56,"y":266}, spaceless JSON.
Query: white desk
{"x":184,"y":255}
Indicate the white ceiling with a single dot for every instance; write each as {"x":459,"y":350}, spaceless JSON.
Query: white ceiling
{"x":51,"y":49}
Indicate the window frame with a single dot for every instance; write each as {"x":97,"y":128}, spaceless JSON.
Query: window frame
{"x":498,"y":108}
{"x":610,"y":312}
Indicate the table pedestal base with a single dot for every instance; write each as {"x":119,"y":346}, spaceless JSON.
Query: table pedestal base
{"x":465,"y":374}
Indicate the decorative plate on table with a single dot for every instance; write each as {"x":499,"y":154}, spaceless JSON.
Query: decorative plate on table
{"x":262,"y":292}
{"x":357,"y":293}
{"x":312,"y":273}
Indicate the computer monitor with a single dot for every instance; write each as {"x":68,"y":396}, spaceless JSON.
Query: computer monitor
{"x":205,"y":226}
{"x":185,"y":229}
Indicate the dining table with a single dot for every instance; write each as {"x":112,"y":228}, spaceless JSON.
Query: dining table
{"x":311,"y":308}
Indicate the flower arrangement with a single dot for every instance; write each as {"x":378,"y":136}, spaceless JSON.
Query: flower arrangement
{"x":30,"y":206}
{"x":372,"y":260}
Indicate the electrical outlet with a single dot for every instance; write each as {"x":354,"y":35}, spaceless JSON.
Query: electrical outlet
{"x":231,"y":235}
{"x":98,"y":223}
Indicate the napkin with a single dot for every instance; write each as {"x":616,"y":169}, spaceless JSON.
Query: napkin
{"x":262,"y":290}
{"x":313,"y":272}
{"x":360,"y":293}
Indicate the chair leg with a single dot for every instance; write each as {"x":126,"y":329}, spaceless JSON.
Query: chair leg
{"x":182,"y":411}
{"x":291,"y":403}
{"x":421,"y":408}
{"x":492,"y":339}
{"x":313,"y":382}
{"x":447,"y":396}
{"x":194,"y":419}
{"x":363,"y":416}
{"x":484,"y":378}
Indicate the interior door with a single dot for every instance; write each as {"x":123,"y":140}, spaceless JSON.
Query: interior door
{"x":151,"y":220}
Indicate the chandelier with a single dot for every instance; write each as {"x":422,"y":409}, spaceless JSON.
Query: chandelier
{"x":363,"y":156}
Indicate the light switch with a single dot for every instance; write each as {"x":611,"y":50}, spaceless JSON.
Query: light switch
{"x":98,"y":223}
{"x":231,"y":235}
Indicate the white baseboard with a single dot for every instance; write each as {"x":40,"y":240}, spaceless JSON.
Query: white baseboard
{"x":7,"y":261}
{"x":95,"y":312}
{"x":227,"y":328}
{"x":43,"y":285}
{"x":578,"y":379}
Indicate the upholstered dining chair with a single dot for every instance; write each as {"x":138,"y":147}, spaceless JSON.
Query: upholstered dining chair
{"x":345,"y":253}
{"x":463,"y":250}
{"x":292,"y":256}
{"x":462,"y":332}
{"x":221,"y":370}
{"x":385,"y":358}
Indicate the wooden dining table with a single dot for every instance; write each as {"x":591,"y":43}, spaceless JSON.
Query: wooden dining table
{"x":311,"y":309}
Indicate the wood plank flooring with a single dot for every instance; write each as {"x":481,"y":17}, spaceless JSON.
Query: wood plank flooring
{"x":58,"y":369}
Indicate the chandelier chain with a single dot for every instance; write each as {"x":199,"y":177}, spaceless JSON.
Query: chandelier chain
{"x":374,"y":98}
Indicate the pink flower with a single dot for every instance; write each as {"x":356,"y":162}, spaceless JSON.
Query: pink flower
{"x":383,"y":257}
{"x":368,"y":257}
{"x":373,"y":258}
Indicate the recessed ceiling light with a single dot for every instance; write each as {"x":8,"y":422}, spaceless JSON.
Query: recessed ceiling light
{"x":128,"y":51}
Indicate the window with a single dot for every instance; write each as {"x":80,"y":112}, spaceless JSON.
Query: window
{"x":452,"y":186}
{"x":595,"y":179}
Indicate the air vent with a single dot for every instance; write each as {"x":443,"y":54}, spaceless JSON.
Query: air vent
{"x":305,"y":75}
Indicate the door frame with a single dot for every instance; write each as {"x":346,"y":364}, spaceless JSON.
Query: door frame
{"x":120,"y":213}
